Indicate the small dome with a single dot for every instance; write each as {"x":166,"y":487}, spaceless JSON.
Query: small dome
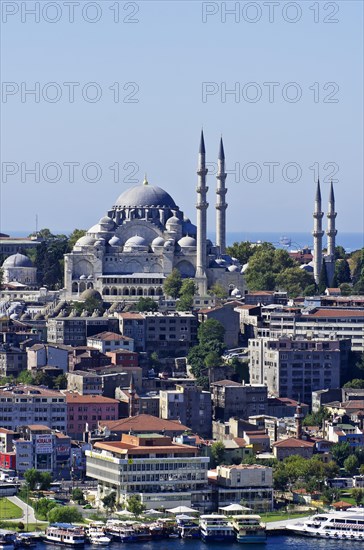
{"x":86,"y":240}
{"x":136,"y":241}
{"x":168,"y":243}
{"x":187,"y":242}
{"x":107,"y":223}
{"x":90,"y":277}
{"x":233,"y":268}
{"x":17,"y":260}
{"x":90,"y":293}
{"x":173,"y":221}
{"x":114,"y":241}
{"x":158,"y":241}
{"x":220,"y":261}
{"x":100,"y":242}
{"x":83,"y":277}
{"x":244,"y":268}
{"x":235,"y":292}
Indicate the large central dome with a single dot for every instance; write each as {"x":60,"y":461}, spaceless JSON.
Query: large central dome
{"x":145,"y":195}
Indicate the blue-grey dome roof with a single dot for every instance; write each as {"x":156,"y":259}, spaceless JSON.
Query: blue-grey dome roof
{"x":145,"y":195}
{"x":17,"y":260}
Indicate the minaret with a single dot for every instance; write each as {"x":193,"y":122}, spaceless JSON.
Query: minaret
{"x":132,"y":392}
{"x":298,"y":418}
{"x":201,"y":207}
{"x":220,"y":201}
{"x":331,"y":231}
{"x":317,"y":235}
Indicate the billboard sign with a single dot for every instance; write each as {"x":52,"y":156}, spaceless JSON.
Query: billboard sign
{"x":44,"y":444}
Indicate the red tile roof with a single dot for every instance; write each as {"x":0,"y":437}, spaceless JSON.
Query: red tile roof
{"x":108,"y":336}
{"x":293,"y":442}
{"x":88,"y":399}
{"x":143,"y":423}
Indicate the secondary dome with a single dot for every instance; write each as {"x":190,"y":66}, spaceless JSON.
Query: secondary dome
{"x":136,"y":243}
{"x":145,"y":195}
{"x":187,"y":241}
{"x":17,"y":260}
{"x":158,"y":241}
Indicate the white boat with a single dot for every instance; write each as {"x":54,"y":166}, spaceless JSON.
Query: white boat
{"x":96,"y":534}
{"x":216,"y":528}
{"x":65,"y":533}
{"x":348,"y":525}
{"x":249,"y":529}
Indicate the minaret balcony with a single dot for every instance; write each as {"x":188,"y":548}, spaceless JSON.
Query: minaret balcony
{"x":331,"y":215}
{"x":331,"y":232}
{"x":318,"y":215}
{"x":317,"y":233}
{"x":202,"y":205}
{"x":221,"y":191}
{"x":221,"y":206}
{"x":202,"y":171}
{"x":203,"y":189}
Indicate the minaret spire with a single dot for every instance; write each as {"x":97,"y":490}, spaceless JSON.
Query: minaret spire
{"x":201,"y":207}
{"x":220,"y":200}
{"x":331,"y":229}
{"x":317,"y":235}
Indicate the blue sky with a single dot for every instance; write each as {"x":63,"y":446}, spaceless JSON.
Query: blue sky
{"x":162,"y":60}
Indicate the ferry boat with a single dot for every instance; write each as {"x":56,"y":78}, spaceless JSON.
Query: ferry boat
{"x":119,"y":531}
{"x":65,"y":533}
{"x":187,"y":528}
{"x":249,"y":529}
{"x":216,"y":528}
{"x":348,"y":525}
{"x":96,"y":534}
{"x":26,"y":540}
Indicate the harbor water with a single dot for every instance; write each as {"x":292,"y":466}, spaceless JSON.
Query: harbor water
{"x":274,"y":542}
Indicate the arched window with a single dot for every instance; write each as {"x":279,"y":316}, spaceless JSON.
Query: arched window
{"x":151,"y":292}
{"x":159,"y":291}
{"x":126,"y":292}
{"x":132,"y":291}
{"x":140,"y":292}
{"x":106,"y":292}
{"x":74,"y":287}
{"x":114,"y":291}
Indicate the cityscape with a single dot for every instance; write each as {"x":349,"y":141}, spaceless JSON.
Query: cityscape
{"x":163,"y":377}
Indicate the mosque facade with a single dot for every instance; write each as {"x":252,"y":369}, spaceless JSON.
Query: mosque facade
{"x":145,"y":235}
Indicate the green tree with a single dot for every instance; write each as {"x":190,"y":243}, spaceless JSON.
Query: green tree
{"x":25,"y":377}
{"x":340,"y":253}
{"x":358,"y":495}
{"x":109,"y":501}
{"x":77,"y":495}
{"x":64,"y":514}
{"x":316,"y":418}
{"x":322,"y":284}
{"x":60,"y":382}
{"x":172,"y":284}
{"x":146,"y":304}
{"x":293,"y":280}
{"x":242,"y":370}
{"x":351,"y":464}
{"x":218,"y":291}
{"x":342,"y":272}
{"x":217,"y":453}
{"x":346,"y":289}
{"x":32,"y":477}
{"x":185,"y":303}
{"x":331,"y":469}
{"x":241,"y":251}
{"x":188,"y":288}
{"x":135,"y":506}
{"x":340,"y":452}
{"x":356,"y":383}
{"x":209,"y":331}
{"x":73,"y":238}
{"x":310,"y":290}
{"x":42,"y":506}
{"x":212,"y":360}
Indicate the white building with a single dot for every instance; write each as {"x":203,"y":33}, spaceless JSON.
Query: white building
{"x":110,"y":341}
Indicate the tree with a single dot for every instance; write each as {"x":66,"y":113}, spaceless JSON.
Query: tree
{"x":358,"y":495}
{"x":185,"y":303}
{"x":293,"y":280}
{"x":146,"y":304}
{"x":188,"y":288}
{"x":218,"y":291}
{"x":77,"y":495}
{"x":209,"y":331}
{"x":340,"y":452}
{"x":217,"y":453}
{"x":356,"y":383}
{"x":241,"y":369}
{"x":212,"y":360}
{"x":134,"y":505}
{"x":340,"y":253}
{"x":33,"y":477}
{"x":241,"y":251}
{"x":172,"y":284}
{"x":42,"y":506}
{"x":60,"y":382}
{"x":64,"y":514}
{"x":109,"y":501}
{"x":342,"y":272}
{"x":310,"y":290}
{"x":351,"y":464}
{"x":25,"y":377}
{"x":316,"y":418}
{"x":346,"y":289}
{"x":323,"y":283}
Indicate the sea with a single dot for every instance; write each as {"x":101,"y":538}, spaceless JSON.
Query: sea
{"x":274,"y":542}
{"x":290,"y":240}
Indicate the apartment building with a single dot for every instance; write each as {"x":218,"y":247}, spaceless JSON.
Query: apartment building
{"x":190,"y":405}
{"x":248,"y":484}
{"x":84,"y":382}
{"x":13,"y":360}
{"x":110,"y":341}
{"x":231,"y":399}
{"x":162,"y":473}
{"x":85,"y":411}
{"x":73,"y":331}
{"x":23,"y":404}
{"x":295,"y":368}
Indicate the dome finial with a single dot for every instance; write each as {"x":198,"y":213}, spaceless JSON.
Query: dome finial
{"x":145,"y":182}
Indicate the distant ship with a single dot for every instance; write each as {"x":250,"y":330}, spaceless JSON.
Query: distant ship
{"x":285,"y":241}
